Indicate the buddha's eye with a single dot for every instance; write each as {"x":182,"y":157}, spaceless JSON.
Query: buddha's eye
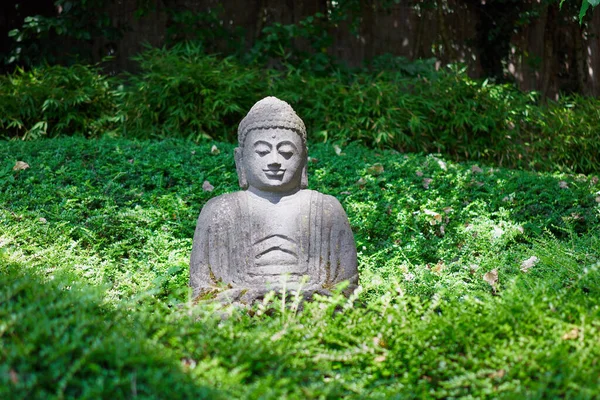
{"x":286,"y":154}
{"x":262,"y":153}
{"x":262,"y":150}
{"x":286,"y":151}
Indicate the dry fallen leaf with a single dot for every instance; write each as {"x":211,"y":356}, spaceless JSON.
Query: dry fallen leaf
{"x":498,"y":374}
{"x":426,"y":182}
{"x":491,"y":278}
{"x":20,"y":165}
{"x":42,"y":220}
{"x":379,"y":359}
{"x":563,"y":185}
{"x":214,"y":150}
{"x":207,"y":187}
{"x":572,"y":334}
{"x":14,"y":377}
{"x":435,"y":217}
{"x":419,"y":173}
{"x":361,"y":181}
{"x":376,"y":169}
{"x":439,"y":267}
{"x":476,"y":170}
{"x":338,"y":149}
{"x":526,"y":265}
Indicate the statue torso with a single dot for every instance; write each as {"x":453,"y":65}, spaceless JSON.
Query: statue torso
{"x":279,"y":234}
{"x":245,"y":241}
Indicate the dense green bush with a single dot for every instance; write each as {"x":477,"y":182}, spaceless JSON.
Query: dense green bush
{"x":56,"y":100}
{"x":570,"y":134}
{"x":181,"y":92}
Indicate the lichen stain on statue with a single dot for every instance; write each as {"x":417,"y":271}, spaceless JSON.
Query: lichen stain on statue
{"x":275,"y":232}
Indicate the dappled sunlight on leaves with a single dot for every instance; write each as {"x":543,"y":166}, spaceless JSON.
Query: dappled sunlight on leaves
{"x":446,"y":312}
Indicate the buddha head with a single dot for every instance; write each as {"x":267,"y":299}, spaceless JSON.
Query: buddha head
{"x":272,"y":153}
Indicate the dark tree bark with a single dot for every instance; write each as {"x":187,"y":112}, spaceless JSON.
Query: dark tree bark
{"x":548,"y":53}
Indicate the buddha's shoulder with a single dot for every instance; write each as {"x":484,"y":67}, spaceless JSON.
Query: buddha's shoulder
{"x":223,"y":204}
{"x":327,"y":201}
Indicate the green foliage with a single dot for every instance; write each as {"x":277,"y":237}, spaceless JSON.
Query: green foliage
{"x":585,"y":5}
{"x":403,"y":66}
{"x":303,"y":45}
{"x":76,"y":23}
{"x":56,"y":100}
{"x":181,"y":92}
{"x":94,"y":244}
{"x":570,"y":134}
{"x":82,"y":346}
{"x":204,"y":28}
{"x":448,"y":113}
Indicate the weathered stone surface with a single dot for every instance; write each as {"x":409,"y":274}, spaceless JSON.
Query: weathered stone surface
{"x":276,"y":230}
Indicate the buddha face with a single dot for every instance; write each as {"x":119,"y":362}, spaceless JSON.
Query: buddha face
{"x":273,"y":160}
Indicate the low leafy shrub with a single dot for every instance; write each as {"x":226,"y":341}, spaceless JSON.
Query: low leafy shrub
{"x":450,"y":114}
{"x":569,"y":134}
{"x":476,"y":281}
{"x":55,"y":100}
{"x":128,"y":200}
{"x":181,"y":92}
{"x":300,"y":46}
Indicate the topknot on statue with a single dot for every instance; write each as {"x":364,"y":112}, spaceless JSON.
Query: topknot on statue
{"x":271,"y":113}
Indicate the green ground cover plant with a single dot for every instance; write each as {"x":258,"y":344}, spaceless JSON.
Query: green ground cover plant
{"x":182,"y":92}
{"x":477,"y":281}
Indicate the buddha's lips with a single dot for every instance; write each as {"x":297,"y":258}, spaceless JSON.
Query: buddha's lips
{"x":274,"y":173}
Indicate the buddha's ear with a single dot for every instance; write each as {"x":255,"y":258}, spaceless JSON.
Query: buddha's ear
{"x":304,"y":177}
{"x":239,"y":166}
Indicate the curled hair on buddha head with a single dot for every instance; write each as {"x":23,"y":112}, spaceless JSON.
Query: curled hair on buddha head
{"x":271,"y":113}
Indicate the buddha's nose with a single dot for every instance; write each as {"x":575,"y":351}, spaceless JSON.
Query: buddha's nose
{"x":274,"y":159}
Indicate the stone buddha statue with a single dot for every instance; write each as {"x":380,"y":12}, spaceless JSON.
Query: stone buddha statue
{"x":275,"y":230}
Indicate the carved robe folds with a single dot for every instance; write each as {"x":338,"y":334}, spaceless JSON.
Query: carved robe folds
{"x":243,"y":242}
